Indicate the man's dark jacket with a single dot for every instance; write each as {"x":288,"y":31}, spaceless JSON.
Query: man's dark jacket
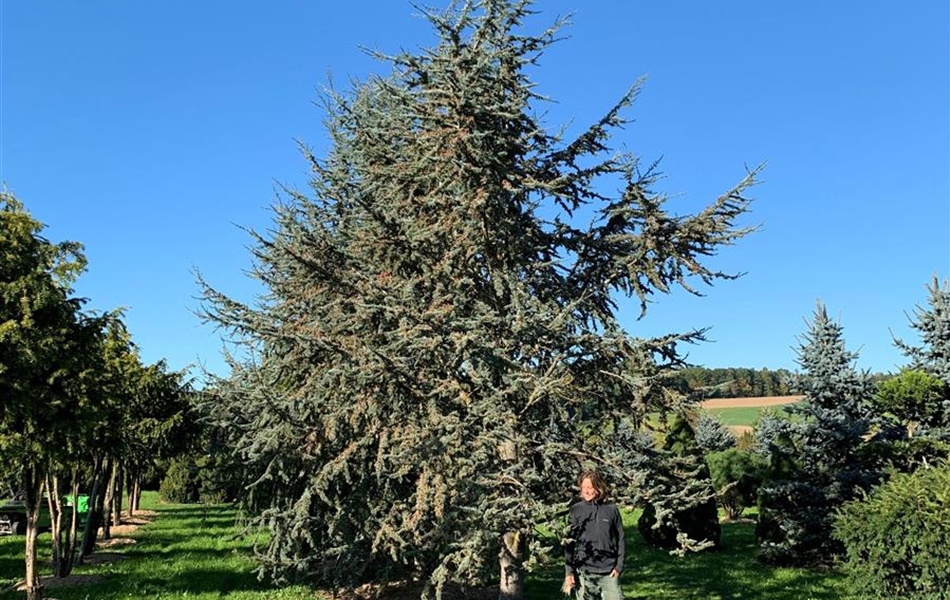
{"x":596,"y":539}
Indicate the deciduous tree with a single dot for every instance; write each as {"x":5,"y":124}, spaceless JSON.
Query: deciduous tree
{"x":41,"y":339}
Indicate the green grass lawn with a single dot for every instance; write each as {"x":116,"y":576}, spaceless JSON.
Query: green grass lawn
{"x":192,"y":552}
{"x":197,"y":552}
{"x":731,"y":573}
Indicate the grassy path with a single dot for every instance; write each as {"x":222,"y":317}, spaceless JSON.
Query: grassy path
{"x":197,"y":553}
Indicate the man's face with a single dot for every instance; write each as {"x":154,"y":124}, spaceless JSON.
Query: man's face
{"x":588,"y":493}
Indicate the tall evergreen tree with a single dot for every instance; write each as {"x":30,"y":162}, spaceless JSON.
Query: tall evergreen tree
{"x":933,"y":325}
{"x":796,"y":506}
{"x":440,"y":319}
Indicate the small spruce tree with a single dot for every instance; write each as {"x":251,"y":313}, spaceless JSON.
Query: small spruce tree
{"x":933,"y":325}
{"x":816,"y":462}
{"x":712,"y":435}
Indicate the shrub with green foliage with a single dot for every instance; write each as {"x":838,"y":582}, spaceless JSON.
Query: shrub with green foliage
{"x":896,"y":538}
{"x":687,"y":517}
{"x":917,"y":400}
{"x":206,"y":478}
{"x":737,"y":476}
{"x":181,"y":484}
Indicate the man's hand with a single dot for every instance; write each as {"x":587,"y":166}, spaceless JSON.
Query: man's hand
{"x":615,"y":573}
{"x":568,"y":584}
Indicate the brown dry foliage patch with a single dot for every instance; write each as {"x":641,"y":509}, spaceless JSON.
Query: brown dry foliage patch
{"x":750,"y":402}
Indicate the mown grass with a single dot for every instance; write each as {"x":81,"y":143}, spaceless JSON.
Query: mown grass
{"x":731,"y":573}
{"x":193,"y":552}
{"x":198,"y":553}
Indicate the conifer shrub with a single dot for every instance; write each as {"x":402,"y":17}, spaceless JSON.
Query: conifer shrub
{"x":688,"y":518}
{"x":712,"y":435}
{"x":181,"y":484}
{"x":194,"y":478}
{"x":896,"y":538}
{"x":737,"y":476}
{"x":816,"y":459}
{"x":746,"y":442}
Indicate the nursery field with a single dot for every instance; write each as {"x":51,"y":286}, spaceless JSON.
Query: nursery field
{"x":742,"y":412}
{"x":199,"y":552}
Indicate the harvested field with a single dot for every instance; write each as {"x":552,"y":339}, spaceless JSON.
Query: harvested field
{"x":749,"y":402}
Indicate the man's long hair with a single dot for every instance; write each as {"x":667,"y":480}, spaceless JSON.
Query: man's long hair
{"x":596,"y":480}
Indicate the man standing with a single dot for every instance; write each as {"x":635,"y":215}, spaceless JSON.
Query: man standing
{"x":594,"y":552}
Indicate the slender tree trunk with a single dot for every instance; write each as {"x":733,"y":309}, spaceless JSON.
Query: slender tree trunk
{"x":95,"y":513}
{"x":511,"y":561}
{"x":117,"y":497}
{"x":56,"y":522}
{"x":108,"y":498}
{"x":33,"y":495}
{"x":135,"y":491}
{"x":69,"y":548}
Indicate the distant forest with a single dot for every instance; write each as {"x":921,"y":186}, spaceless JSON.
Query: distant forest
{"x":702,"y":383}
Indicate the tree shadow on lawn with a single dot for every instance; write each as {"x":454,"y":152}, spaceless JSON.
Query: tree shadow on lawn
{"x":731,"y":573}
{"x":11,"y":569}
{"x":195,"y":582}
{"x":186,"y":582}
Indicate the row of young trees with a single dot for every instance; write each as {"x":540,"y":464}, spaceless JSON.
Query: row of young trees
{"x":438,"y":353}
{"x":80,"y":411}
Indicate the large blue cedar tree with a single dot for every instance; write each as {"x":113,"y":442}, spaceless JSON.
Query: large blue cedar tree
{"x":439,"y":329}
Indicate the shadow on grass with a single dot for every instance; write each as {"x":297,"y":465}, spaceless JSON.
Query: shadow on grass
{"x":731,"y":573}
{"x":215,"y":582}
{"x":11,"y":568}
{"x":198,"y":551}
{"x":185,"y":551}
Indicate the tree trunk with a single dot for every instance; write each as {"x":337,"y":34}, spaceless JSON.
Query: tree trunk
{"x":117,"y":496}
{"x":108,"y":501}
{"x":95,"y":514}
{"x":69,"y":548}
{"x":33,"y":495}
{"x":55,"y":506}
{"x":55,"y":522}
{"x":135,"y":493}
{"x":511,"y":560}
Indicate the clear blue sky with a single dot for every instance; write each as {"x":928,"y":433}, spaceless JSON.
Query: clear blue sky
{"x":151,"y":130}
